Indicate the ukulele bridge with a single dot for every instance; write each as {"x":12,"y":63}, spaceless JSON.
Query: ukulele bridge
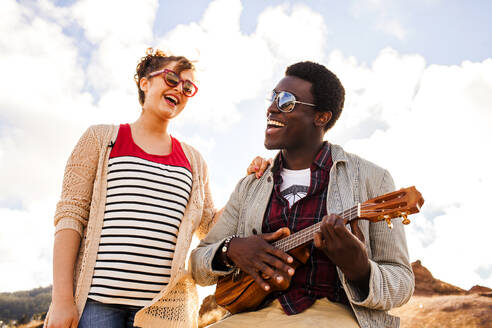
{"x":236,"y":275}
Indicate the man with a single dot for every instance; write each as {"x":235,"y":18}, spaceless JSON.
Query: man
{"x":355,"y":273}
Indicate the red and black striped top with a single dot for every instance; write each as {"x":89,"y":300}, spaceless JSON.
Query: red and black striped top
{"x":146,"y":198}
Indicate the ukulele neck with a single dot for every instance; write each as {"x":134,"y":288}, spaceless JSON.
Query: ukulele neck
{"x":306,"y":235}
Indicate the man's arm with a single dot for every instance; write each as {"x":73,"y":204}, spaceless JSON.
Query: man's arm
{"x":346,"y":250}
{"x":254,"y":255}
{"x":201,"y":257}
{"x":391,"y":280}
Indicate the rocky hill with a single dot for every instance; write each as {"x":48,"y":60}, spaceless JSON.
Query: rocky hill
{"x":435,"y":304}
{"x":438,"y":304}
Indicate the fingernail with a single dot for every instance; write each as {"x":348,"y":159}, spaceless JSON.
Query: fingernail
{"x":257,"y":167}
{"x":279,"y":278}
{"x":267,"y":287}
{"x":291,"y":271}
{"x":290,"y":259}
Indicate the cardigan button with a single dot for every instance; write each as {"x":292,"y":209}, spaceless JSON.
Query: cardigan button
{"x":269,"y":179}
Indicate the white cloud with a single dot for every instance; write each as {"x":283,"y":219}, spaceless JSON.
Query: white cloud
{"x":228,"y":61}
{"x":293,"y":33}
{"x":44,"y":84}
{"x":393,"y":27}
{"x":385,"y":15}
{"x":119,"y":31}
{"x":26,"y":241}
{"x":375,"y":95}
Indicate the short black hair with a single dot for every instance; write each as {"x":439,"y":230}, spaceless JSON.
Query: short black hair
{"x":327,"y":90}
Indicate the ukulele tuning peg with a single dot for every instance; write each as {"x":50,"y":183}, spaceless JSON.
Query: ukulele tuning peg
{"x":405,"y":219}
{"x":388,"y":221}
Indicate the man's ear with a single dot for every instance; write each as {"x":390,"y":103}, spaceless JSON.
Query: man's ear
{"x":144,"y":84}
{"x":322,"y":118}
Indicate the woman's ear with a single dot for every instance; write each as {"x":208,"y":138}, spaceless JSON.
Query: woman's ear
{"x":322,"y":118}
{"x":144,"y":84}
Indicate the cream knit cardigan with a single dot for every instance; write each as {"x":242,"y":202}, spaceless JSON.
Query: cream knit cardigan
{"x":81,"y":208}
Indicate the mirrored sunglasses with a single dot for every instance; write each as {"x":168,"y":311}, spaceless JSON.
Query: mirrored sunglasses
{"x":285,"y":101}
{"x":172,"y":79}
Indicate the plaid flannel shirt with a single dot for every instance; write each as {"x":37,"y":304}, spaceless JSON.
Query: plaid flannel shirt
{"x":318,"y":277}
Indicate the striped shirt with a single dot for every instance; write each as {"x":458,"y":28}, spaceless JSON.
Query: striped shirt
{"x":146,"y":198}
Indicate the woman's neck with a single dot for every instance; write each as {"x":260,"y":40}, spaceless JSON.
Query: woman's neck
{"x":150,"y":134}
{"x":151,"y":125}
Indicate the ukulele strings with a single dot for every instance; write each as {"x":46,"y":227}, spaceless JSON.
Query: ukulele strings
{"x":306,"y":235}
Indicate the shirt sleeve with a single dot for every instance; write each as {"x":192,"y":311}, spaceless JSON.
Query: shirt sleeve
{"x":209,"y":210}
{"x":72,"y":210}
{"x":391,"y":282}
{"x":201,"y":258}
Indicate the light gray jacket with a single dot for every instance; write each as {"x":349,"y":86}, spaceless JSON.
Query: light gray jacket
{"x":352,"y":180}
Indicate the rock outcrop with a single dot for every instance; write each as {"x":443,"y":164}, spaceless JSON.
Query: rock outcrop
{"x":427,"y":285}
{"x":438,"y":304}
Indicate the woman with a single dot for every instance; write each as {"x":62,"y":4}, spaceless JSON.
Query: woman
{"x":132,"y":198}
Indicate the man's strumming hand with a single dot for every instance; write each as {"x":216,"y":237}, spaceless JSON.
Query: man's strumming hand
{"x":255,"y":256}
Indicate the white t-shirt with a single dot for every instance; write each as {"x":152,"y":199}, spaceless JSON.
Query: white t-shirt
{"x":295,"y":184}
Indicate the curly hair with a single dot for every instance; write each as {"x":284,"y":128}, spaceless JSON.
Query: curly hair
{"x":327,"y":90}
{"x":155,"y":60}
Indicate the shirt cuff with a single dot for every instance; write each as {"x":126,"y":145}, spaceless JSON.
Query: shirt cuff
{"x":214,"y":249}
{"x":356,"y":296}
{"x":69,"y":223}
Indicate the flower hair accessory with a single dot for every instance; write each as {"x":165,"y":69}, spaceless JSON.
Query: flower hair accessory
{"x":155,"y":52}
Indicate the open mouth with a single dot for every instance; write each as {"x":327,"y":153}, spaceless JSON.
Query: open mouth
{"x":172,"y":100}
{"x":275,"y":124}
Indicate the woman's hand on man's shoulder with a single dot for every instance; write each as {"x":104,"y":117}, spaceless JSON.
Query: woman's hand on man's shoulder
{"x":258,"y":166}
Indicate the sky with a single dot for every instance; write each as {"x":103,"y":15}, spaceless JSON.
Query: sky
{"x":417,"y":75}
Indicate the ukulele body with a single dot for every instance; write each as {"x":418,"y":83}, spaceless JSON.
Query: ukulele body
{"x":240,"y":293}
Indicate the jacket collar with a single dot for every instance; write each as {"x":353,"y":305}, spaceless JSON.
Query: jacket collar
{"x":338,"y":154}
{"x":320,"y":161}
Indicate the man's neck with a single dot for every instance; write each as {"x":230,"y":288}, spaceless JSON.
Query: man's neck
{"x":301,"y":158}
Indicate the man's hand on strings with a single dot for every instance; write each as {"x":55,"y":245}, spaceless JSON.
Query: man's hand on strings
{"x":345,"y":249}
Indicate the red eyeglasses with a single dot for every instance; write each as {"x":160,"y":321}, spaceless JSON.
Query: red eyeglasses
{"x":172,"y":79}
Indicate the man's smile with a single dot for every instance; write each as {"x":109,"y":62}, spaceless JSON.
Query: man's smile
{"x":273,"y":125}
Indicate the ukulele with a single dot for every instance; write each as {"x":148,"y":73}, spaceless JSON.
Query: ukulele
{"x":238,"y":291}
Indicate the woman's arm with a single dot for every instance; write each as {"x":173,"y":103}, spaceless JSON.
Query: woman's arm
{"x":202,"y":257}
{"x":71,"y":218}
{"x":63,"y":311}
